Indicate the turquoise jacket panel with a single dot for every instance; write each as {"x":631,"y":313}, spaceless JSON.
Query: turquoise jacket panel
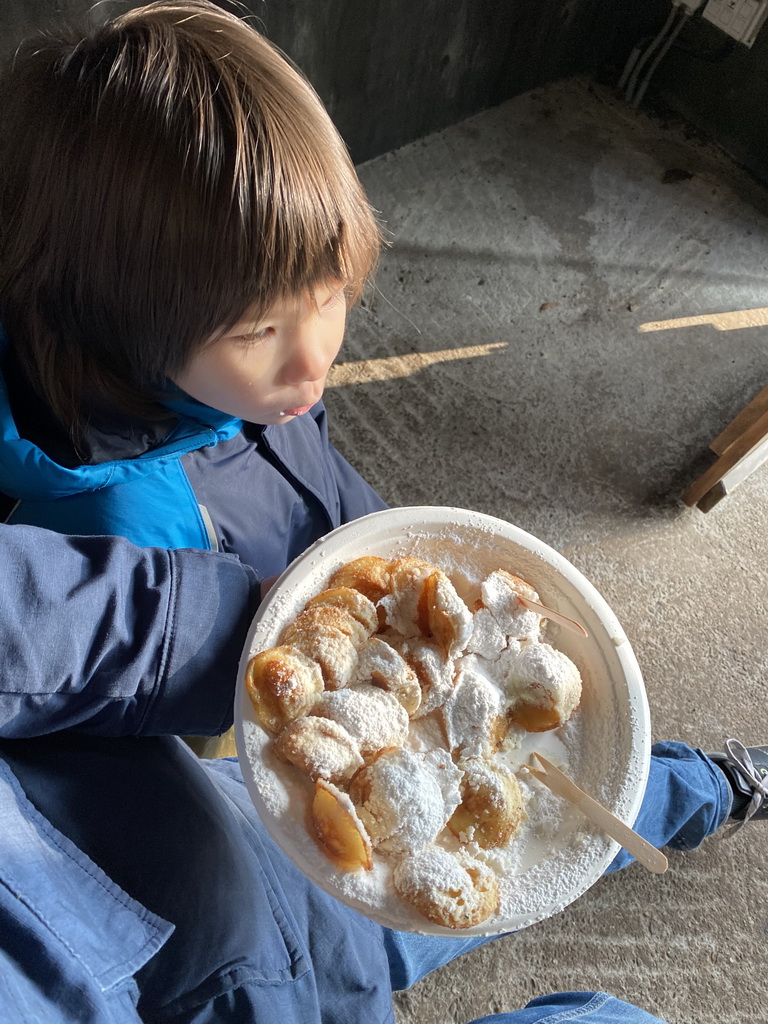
{"x":147,"y":499}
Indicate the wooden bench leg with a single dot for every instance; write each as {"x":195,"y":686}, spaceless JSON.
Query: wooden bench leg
{"x":741,"y":448}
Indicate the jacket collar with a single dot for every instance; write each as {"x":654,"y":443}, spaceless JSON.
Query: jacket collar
{"x":29,"y":471}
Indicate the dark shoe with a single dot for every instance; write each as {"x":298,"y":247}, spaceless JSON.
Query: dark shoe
{"x":746,"y":769}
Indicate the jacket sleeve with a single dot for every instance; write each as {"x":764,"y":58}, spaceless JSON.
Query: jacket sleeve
{"x":104,"y":637}
{"x":357,"y":496}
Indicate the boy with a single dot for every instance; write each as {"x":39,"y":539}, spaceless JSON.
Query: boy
{"x":181,"y":231}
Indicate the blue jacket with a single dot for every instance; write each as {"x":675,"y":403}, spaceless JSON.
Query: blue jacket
{"x":214,"y":482}
{"x":136,"y":881}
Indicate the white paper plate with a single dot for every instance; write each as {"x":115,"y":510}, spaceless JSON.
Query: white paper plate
{"x":607,"y":743}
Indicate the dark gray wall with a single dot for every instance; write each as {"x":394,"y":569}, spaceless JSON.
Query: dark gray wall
{"x":394,"y":70}
{"x":721,"y":87}
{"x":19,"y":18}
{"x":391,"y":71}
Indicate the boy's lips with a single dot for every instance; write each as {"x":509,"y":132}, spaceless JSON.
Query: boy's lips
{"x":299,"y":410}
{"x":295,"y":412}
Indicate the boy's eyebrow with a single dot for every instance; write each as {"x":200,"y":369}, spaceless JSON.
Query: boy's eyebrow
{"x":244,"y":327}
{"x":247,"y":324}
{"x":279,"y":309}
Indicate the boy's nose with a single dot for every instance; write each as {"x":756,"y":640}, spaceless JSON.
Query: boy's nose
{"x":308,"y":361}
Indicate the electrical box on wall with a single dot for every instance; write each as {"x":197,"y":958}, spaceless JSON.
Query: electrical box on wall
{"x":741,"y":19}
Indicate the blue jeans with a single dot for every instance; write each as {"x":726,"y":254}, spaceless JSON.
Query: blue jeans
{"x":687,"y":799}
{"x":590,"y":1007}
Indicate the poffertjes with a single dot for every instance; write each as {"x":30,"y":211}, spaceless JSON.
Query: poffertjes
{"x":395,"y":700}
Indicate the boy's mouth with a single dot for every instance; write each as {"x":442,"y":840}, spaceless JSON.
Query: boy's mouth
{"x":295,"y":412}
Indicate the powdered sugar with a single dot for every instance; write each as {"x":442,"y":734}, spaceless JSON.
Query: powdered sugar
{"x":382,"y":665}
{"x":319,"y":747}
{"x":434,"y":671}
{"x":449,"y":617}
{"x":488,"y":639}
{"x":472,"y":714}
{"x":401,"y":606}
{"x":405,"y":799}
{"x":455,"y":890}
{"x":542,"y":673}
{"x":375,"y":719}
{"x":501,"y":594}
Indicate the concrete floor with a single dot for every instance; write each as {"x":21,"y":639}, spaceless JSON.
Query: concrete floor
{"x":528,"y":245}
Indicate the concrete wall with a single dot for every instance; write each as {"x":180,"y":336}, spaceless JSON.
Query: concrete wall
{"x":391,"y":71}
{"x":721,"y":87}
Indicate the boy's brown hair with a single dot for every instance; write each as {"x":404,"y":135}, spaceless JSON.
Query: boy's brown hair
{"x":160,"y":177}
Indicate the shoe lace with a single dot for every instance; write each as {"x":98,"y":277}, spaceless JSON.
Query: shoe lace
{"x":740,"y":761}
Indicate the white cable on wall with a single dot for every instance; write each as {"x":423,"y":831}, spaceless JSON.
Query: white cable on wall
{"x":685,"y":15}
{"x":637,"y":65}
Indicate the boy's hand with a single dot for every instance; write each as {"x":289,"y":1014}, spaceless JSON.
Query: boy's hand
{"x":266,"y":585}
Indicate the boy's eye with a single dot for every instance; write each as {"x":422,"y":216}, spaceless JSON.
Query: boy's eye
{"x":333,"y":299}
{"x":254,"y":336}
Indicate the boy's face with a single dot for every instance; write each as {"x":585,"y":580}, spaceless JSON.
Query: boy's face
{"x":273,"y":370}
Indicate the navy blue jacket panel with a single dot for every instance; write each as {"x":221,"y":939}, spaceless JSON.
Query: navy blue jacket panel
{"x":271,"y":492}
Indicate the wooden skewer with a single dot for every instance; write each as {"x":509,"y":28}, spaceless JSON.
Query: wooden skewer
{"x":553,"y":616}
{"x":559,"y":783}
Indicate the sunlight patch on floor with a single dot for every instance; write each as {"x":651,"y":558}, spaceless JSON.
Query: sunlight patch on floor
{"x":390,"y":368}
{"x":721,"y":321}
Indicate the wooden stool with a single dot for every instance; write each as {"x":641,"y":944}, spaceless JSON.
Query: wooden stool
{"x":741,"y":448}
{"x":213,"y":746}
